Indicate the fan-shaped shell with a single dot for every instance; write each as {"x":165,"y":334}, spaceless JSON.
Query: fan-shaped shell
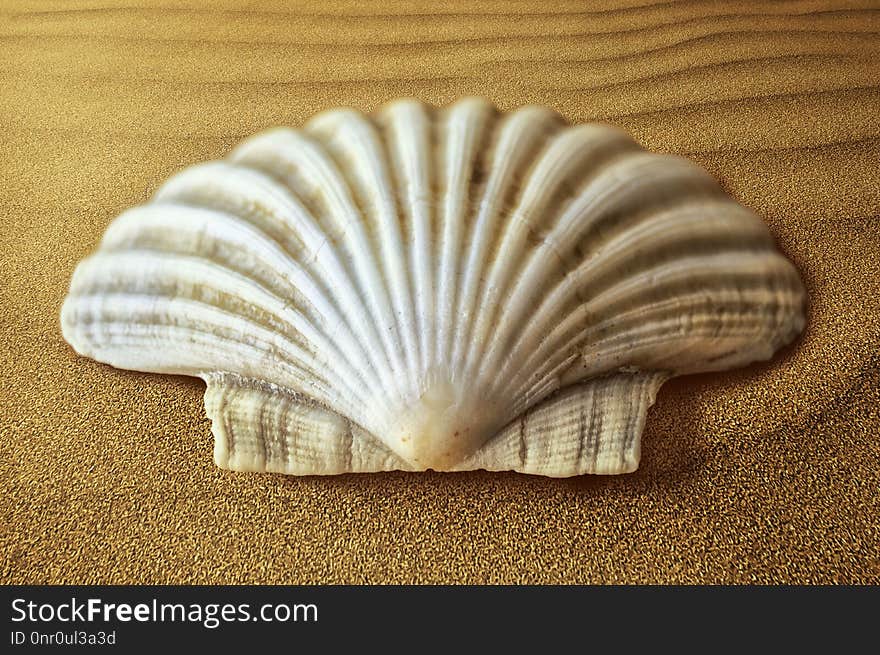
{"x":445,"y":288}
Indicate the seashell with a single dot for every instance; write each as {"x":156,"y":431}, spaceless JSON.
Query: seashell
{"x":453,"y":288}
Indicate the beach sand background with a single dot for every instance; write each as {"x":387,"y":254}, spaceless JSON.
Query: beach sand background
{"x":768,"y":474}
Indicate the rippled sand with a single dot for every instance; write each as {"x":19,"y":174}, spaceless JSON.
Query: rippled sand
{"x":768,"y":474}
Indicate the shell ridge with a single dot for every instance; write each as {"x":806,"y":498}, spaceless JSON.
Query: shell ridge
{"x":190,"y":360}
{"x":515,"y":140}
{"x":478,"y":212}
{"x":324,"y":266}
{"x":132,"y":228}
{"x":588,"y":212}
{"x":354,"y":357}
{"x":188,"y":350}
{"x":445,"y":141}
{"x":148,"y":273}
{"x":469,"y":126}
{"x":549,"y":255}
{"x":713,"y":266}
{"x":409,"y":292}
{"x":407,"y":130}
{"x":583,"y":336}
{"x":659,"y":229}
{"x":543,"y":188}
{"x":308,"y":166}
{"x":369,"y":179}
{"x":367,"y":272}
{"x":406,"y":301}
{"x":540,"y":214}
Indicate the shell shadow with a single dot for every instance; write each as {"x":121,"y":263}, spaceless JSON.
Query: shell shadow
{"x":671,"y":454}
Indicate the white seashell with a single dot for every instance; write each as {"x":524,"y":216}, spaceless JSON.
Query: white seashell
{"x":451,"y":288}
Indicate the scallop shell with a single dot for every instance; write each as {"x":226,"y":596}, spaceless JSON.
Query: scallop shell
{"x":453,"y":288}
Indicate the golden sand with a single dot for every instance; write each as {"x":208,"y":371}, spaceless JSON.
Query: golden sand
{"x":769,"y":474}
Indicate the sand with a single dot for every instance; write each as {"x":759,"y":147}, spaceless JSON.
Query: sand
{"x":768,"y":474}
